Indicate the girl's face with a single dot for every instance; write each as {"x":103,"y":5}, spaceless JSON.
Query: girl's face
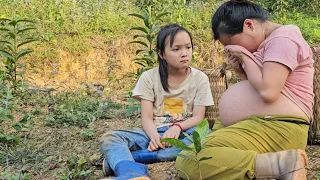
{"x":180,"y":54}
{"x":251,"y":37}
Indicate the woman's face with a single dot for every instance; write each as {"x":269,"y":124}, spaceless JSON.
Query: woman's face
{"x":251,"y":37}
{"x":180,"y":54}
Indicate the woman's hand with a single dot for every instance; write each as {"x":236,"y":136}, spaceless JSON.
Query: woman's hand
{"x":235,"y":59}
{"x":155,"y":143}
{"x":172,"y":132}
{"x":237,"y":64}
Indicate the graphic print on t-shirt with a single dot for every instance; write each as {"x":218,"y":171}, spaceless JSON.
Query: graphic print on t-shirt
{"x":173,"y":111}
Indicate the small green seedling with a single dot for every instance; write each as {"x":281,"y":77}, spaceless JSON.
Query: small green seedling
{"x":197,"y":138}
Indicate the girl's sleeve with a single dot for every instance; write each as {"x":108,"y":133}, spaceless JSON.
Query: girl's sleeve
{"x":203,"y":95}
{"x":282,"y":50}
{"x":144,"y":88}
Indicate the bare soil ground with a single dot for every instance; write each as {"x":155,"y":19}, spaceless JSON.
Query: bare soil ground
{"x":67,"y":147}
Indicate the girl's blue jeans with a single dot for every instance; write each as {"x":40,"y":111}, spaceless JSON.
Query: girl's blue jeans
{"x":119,"y":145}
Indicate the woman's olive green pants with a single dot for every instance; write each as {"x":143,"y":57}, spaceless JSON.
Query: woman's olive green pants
{"x":233,"y":149}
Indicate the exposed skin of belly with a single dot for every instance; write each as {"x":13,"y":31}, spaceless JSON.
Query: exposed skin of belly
{"x":241,"y":100}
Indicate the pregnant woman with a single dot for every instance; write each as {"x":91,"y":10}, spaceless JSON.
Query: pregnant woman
{"x":266,"y":115}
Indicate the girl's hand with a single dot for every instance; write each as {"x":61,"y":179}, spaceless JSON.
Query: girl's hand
{"x":172,"y":132}
{"x":155,"y":143}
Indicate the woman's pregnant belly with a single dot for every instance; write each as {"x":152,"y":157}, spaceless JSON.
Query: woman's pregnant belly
{"x":241,"y":100}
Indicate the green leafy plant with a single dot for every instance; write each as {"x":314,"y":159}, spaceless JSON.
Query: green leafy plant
{"x":16,"y":37}
{"x":147,"y":53}
{"x":16,"y":176}
{"x":11,"y":127}
{"x":88,"y":133}
{"x":318,"y":174}
{"x":134,"y":108}
{"x":76,"y":109}
{"x":198,"y":136}
{"x":25,"y":152}
{"x":77,"y":168}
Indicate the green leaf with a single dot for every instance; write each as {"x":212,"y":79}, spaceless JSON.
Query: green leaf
{"x":142,"y":64}
{"x":147,"y":60}
{"x":187,"y":135}
{"x":26,"y":42}
{"x":160,"y":15}
{"x":6,"y":54}
{"x":146,"y":23}
{"x":185,"y":156}
{"x":137,"y":15}
{"x":10,"y":47}
{"x":139,"y":29}
{"x":26,"y":20}
{"x":4,"y":29}
{"x":131,"y":100}
{"x":139,"y":35}
{"x":6,"y":42}
{"x":205,"y":158}
{"x":18,"y":127}
{"x":85,"y":173}
{"x":82,"y":161}
{"x":203,"y":129}
{"x":10,"y":117}
{"x":4,"y":117}
{"x":177,"y":143}
{"x":139,"y":51}
{"x":155,"y":28}
{"x":196,"y":141}
{"x":139,"y":42}
{"x":26,"y":29}
{"x":23,"y":52}
{"x":5,"y":19}
{"x":24,"y":119}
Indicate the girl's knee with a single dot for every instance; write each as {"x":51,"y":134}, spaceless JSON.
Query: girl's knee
{"x":108,"y":137}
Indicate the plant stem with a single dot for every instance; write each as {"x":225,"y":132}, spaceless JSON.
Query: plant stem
{"x":198,"y":163}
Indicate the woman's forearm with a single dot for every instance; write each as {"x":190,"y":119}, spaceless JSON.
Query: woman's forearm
{"x":254,"y":73}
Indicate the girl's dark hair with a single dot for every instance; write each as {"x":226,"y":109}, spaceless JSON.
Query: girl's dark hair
{"x":168,"y":31}
{"x":230,"y":16}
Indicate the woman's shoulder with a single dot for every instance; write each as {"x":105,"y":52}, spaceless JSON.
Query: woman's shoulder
{"x":287,"y":31}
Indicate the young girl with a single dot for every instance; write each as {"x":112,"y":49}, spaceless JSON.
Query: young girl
{"x":173,"y":99}
{"x":267,"y":114}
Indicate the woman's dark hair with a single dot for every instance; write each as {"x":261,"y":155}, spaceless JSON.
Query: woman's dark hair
{"x":168,"y":31}
{"x":230,"y":16}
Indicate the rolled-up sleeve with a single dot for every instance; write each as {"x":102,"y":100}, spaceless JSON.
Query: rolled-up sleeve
{"x":144,"y":88}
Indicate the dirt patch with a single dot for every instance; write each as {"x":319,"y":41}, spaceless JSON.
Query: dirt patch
{"x":68,"y":143}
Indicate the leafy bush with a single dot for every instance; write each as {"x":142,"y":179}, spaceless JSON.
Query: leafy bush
{"x":148,"y":36}
{"x":16,"y":36}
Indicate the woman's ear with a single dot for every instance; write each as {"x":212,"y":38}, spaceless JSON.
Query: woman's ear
{"x":249,"y":25}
